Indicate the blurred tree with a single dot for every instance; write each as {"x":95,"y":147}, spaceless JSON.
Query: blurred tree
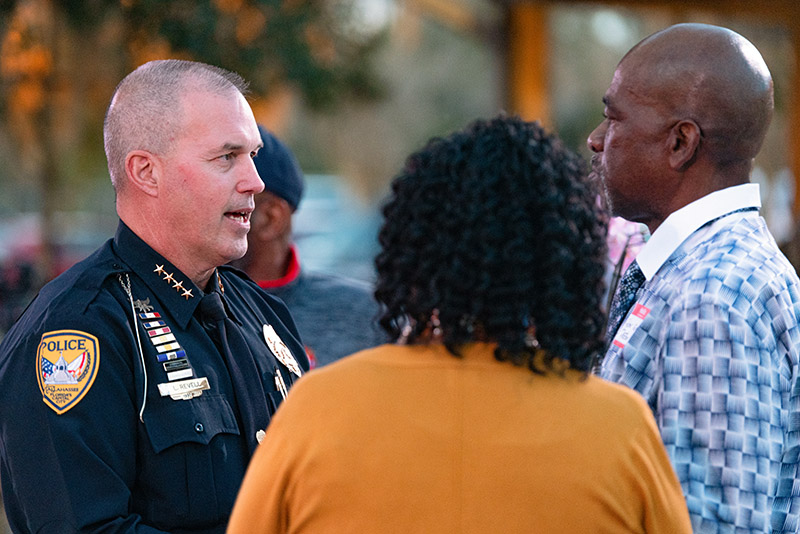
{"x":60,"y":60}
{"x":443,"y":65}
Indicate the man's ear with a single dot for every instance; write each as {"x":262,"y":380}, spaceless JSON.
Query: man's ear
{"x":272,"y":218}
{"x":144,"y":171}
{"x":683,"y":144}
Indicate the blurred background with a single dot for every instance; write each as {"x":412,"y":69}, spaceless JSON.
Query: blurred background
{"x":352,"y":86}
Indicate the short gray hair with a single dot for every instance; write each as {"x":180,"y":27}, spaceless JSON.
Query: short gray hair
{"x":145,"y":111}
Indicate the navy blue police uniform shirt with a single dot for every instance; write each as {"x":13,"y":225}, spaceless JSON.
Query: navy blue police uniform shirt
{"x":98,"y":437}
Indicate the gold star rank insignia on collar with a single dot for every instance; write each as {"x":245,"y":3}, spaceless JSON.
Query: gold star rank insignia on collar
{"x":176,"y":284}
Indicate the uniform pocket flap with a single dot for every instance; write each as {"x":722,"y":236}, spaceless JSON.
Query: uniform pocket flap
{"x":196,"y":420}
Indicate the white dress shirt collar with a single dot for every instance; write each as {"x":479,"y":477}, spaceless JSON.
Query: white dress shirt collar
{"x":681,"y":224}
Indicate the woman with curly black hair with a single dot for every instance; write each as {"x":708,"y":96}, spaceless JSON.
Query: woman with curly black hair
{"x":495,"y":234}
{"x":482,"y":416}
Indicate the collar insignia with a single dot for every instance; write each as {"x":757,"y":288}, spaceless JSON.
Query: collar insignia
{"x":177,"y":285}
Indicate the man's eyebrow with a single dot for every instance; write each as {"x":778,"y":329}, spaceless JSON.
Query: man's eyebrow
{"x":232,"y":147}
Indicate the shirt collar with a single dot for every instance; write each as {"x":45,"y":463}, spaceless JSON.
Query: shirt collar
{"x":174,"y":290}
{"x":684,"y":222}
{"x":292,"y":272}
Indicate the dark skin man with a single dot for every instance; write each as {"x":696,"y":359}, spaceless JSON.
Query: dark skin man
{"x":705,"y":322}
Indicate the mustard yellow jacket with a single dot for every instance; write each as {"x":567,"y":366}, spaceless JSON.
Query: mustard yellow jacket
{"x":412,"y":439}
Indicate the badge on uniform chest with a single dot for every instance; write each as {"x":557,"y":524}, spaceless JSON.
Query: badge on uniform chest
{"x":280,"y":350}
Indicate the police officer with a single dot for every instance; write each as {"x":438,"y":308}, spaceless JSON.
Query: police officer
{"x":136,"y":386}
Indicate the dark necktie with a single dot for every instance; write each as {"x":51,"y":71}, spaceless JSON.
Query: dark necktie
{"x":248,"y":389}
{"x":629,"y":284}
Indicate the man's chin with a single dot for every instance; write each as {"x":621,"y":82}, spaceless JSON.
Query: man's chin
{"x":236,"y":252}
{"x":596,"y":177}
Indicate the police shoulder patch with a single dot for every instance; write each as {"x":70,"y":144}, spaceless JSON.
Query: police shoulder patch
{"x":66,"y":366}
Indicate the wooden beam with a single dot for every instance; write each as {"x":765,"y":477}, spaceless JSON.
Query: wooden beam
{"x":528,"y":66}
{"x":793,"y":116}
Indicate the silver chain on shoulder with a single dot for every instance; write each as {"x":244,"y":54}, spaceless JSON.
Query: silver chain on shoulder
{"x":126,"y":285}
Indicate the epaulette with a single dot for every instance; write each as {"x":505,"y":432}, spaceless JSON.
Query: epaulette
{"x":83,"y":282}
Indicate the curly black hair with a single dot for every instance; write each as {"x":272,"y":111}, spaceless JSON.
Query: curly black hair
{"x":498,"y":232}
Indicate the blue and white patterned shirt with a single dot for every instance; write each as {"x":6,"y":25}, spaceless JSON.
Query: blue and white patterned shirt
{"x":713,"y":344}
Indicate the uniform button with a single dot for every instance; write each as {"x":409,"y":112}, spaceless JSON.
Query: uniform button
{"x":198,"y":427}
{"x":260,"y":436}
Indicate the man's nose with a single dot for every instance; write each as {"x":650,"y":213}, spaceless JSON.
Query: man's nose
{"x":596,"y":138}
{"x":250,"y":180}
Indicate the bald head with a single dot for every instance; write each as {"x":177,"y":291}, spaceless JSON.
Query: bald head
{"x":711,"y":75}
{"x":146,"y":112}
{"x":685,"y":114}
